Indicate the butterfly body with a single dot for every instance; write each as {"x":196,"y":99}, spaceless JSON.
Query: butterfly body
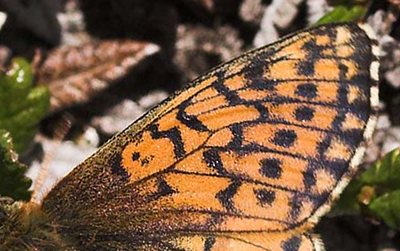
{"x":247,"y":157}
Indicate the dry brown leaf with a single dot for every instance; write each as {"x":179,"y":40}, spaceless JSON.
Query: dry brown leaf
{"x":75,"y":74}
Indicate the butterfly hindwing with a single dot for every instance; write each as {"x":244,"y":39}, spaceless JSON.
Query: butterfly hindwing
{"x":245,"y":158}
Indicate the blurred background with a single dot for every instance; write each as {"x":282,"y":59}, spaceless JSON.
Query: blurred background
{"x":75,"y":72}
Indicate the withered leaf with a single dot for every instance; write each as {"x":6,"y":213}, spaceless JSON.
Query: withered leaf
{"x":74,"y":74}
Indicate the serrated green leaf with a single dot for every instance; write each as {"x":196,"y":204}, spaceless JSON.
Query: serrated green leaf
{"x":343,"y":13}
{"x":384,"y":173}
{"x":13,"y":182}
{"x":22,"y":104}
{"x":387,"y":208}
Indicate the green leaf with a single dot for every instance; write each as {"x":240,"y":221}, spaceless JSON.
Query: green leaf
{"x":385,"y":177}
{"x":22,"y":105}
{"x":387,"y":208}
{"x":385,"y":173}
{"x":13,"y":182}
{"x":348,"y":202}
{"x":376,"y":192}
{"x":344,"y":13}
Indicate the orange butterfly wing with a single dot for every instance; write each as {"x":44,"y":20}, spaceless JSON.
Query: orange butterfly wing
{"x":246,"y":158}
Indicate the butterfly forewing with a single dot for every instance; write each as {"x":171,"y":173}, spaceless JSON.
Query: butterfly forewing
{"x":246,"y":158}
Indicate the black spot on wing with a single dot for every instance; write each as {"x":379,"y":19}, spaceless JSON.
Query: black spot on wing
{"x":284,"y":138}
{"x":213,"y":160}
{"x":237,"y":141}
{"x":163,"y":189}
{"x":135,"y":156}
{"x":309,"y":178}
{"x":173,"y":134}
{"x":225,"y":197}
{"x":295,"y":206}
{"x":304,"y":113}
{"x":271,"y":168}
{"x":308,"y":91}
{"x":260,"y":83}
{"x":265,"y":197}
{"x":145,"y":161}
{"x":293,"y":244}
{"x":209,"y":243}
{"x":117,"y":169}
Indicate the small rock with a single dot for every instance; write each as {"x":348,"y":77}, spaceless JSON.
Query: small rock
{"x":392,"y":140}
{"x":279,"y":14}
{"x":252,"y":11}
{"x":316,"y":10}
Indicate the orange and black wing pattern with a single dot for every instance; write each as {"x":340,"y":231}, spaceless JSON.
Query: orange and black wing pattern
{"x":248,"y":157}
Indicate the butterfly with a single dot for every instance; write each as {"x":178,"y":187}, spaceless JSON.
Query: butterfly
{"x":248,"y":157}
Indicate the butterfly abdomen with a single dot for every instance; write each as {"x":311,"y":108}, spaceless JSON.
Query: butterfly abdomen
{"x":24,"y":226}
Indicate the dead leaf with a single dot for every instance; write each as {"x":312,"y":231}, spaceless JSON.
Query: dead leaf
{"x":74,"y":74}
